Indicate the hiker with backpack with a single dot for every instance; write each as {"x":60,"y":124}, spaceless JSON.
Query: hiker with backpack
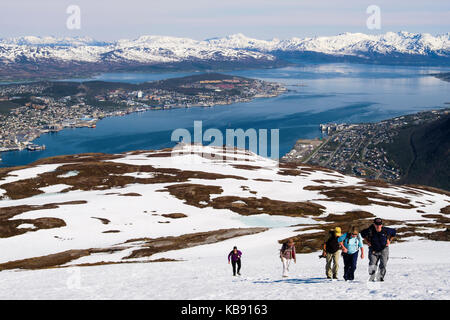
{"x":235,"y":257}
{"x":287,"y":253}
{"x":331,"y":251}
{"x":378,"y":239}
{"x":350,"y":243}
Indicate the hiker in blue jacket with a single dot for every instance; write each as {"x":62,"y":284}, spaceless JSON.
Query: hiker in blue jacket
{"x":378,"y":238}
{"x":350,"y":243}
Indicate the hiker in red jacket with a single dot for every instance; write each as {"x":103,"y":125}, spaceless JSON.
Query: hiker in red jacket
{"x":287,"y":253}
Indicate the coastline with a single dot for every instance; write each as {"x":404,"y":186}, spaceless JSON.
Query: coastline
{"x":92,"y":123}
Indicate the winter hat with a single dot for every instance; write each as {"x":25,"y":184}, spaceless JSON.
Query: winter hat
{"x":337,"y":232}
{"x":378,"y":221}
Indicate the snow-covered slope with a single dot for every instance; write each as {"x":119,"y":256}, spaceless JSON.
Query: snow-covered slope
{"x":125,"y":218}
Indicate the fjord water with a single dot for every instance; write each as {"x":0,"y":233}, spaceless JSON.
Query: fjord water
{"x":318,"y":93}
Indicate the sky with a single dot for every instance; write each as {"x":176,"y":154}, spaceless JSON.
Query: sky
{"x":201,"y":19}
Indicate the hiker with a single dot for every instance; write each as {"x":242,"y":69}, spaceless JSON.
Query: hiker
{"x":378,"y":239}
{"x":331,"y":251}
{"x":350,"y":243}
{"x":235,"y":257}
{"x":287,"y":253}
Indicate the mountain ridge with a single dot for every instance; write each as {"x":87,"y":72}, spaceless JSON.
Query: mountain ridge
{"x":30,"y":55}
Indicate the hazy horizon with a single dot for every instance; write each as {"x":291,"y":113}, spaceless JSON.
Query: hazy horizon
{"x":187,"y":37}
{"x":202,"y":19}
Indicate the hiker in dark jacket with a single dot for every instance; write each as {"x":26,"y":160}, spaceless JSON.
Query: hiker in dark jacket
{"x":378,"y":239}
{"x":235,"y":257}
{"x":331,"y":252}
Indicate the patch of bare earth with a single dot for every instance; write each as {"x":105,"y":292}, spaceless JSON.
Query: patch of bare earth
{"x":445,"y":210}
{"x":103,"y":220}
{"x":101,"y":175}
{"x":152,"y":246}
{"x":430,"y":189}
{"x":130,"y":194}
{"x":146,"y":247}
{"x":9,"y":228}
{"x":174,"y":215}
{"x":360,"y":196}
{"x":200,"y":196}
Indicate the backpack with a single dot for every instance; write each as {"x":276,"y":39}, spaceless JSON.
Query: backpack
{"x":332,"y":245}
{"x":285,"y":248}
{"x":348,"y":236}
{"x":370,"y":234}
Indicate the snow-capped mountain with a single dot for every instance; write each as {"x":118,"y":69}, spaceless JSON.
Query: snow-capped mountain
{"x":51,"y":56}
{"x":347,"y":44}
{"x":145,"y":49}
{"x":160,"y":224}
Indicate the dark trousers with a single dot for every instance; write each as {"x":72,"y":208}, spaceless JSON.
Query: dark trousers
{"x":238,"y":263}
{"x":350,"y":265}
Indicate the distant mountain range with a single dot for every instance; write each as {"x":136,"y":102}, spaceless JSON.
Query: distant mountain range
{"x":32,"y":57}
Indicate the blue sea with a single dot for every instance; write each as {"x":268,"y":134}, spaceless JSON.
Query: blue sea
{"x":318,"y":93}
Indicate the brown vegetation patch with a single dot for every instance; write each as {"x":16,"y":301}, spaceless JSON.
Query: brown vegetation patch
{"x":245,"y":188}
{"x":359,"y":196}
{"x":174,"y":215}
{"x":4,"y":172}
{"x":101,"y":175}
{"x":347,"y":217}
{"x":103,"y":220}
{"x":76,"y":158}
{"x":8,"y":228}
{"x":130,"y":194}
{"x":153,"y":246}
{"x":103,"y":263}
{"x":325,"y":181}
{"x":111,"y":231}
{"x":252,"y":206}
{"x":439,"y":218}
{"x":193,"y":194}
{"x":445,"y":210}
{"x":440,"y":235}
{"x":293,"y":172}
{"x":264,"y":180}
{"x":160,"y":155}
{"x":375,"y":183}
{"x":245,"y":167}
{"x":430,"y":189}
{"x":137,"y":152}
{"x":53,"y":260}
{"x":200,"y":196}
{"x":45,"y":261}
